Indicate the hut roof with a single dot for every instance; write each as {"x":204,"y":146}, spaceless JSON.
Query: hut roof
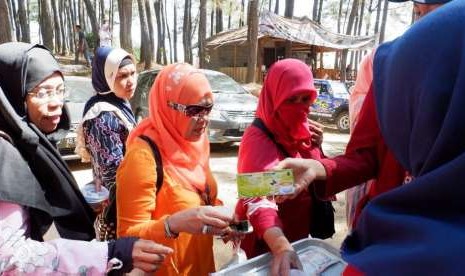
{"x":303,"y":31}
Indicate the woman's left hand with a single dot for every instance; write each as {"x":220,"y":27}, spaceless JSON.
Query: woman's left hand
{"x":317,"y":132}
{"x":284,"y":261}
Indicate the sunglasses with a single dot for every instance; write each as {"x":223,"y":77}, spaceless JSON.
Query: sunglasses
{"x":192,"y":110}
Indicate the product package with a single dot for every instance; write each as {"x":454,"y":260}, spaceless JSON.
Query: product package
{"x":269,"y":183}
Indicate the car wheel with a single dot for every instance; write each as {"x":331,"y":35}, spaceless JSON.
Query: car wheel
{"x":342,"y":122}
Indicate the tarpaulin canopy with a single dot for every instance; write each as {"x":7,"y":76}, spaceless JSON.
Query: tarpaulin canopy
{"x":303,"y":31}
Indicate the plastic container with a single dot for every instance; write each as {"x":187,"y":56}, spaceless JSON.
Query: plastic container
{"x":94,"y":198}
{"x":317,"y":257}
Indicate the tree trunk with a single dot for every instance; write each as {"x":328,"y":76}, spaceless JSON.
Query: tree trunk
{"x":157,"y":8}
{"x":11,"y":13}
{"x":16,"y":20}
{"x":276,"y":7}
{"x":350,"y":25}
{"x":202,"y":32}
{"x":229,"y":15}
{"x":187,"y":29}
{"x":112,"y":15}
{"x":339,"y":17}
{"x":148,"y":10}
{"x":46,"y":23}
{"x":125,"y":16}
{"x":175,"y":32}
{"x":320,"y":11}
{"x":57,"y":26}
{"x":93,"y":21}
{"x":378,"y":16}
{"x":384,"y":21}
{"x":25,"y":33}
{"x":71,"y":23}
{"x":219,"y":17}
{"x":167,"y":29}
{"x":252,"y":37}
{"x":5,"y":25}
{"x":288,"y":13}
{"x":241,"y":18}
{"x":102,"y":10}
{"x":145,"y":53}
{"x":315,"y":10}
{"x":61,"y":12}
{"x":212,"y":19}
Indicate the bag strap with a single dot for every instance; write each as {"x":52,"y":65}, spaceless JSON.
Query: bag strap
{"x":257,"y":122}
{"x":158,"y":161}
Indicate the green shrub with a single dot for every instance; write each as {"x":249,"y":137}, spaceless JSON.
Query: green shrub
{"x":91,"y":40}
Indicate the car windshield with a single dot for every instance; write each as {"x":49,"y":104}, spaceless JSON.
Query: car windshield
{"x":224,"y":84}
{"x":79,"y":91}
{"x":339,"y":89}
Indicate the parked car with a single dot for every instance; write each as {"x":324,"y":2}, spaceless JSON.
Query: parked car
{"x":80,"y":90}
{"x":332,"y":104}
{"x":232,"y":113}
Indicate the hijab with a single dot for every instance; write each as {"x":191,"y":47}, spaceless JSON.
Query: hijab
{"x":47,"y":186}
{"x":286,"y":122}
{"x":419,"y":85}
{"x":285,"y":79}
{"x":105,"y":67}
{"x":185,"y":161}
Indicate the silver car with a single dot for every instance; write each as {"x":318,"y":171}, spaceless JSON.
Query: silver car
{"x":232,"y":113}
{"x":80,"y":90}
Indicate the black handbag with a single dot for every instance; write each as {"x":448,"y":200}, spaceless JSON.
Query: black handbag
{"x":322,"y":218}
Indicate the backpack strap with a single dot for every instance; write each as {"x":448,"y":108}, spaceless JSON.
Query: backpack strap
{"x":158,"y":160}
{"x":258,"y":123}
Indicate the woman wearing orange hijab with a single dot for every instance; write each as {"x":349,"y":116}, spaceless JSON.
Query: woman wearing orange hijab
{"x":180,"y":214}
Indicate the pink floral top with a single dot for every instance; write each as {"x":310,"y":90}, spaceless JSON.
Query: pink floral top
{"x":21,"y":255}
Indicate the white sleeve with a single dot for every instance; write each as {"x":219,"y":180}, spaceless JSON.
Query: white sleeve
{"x":21,"y":255}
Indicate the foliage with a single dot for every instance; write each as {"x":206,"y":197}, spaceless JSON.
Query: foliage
{"x":91,"y":40}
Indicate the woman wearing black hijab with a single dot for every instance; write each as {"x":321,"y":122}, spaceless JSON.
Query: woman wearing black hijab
{"x":36,"y":186}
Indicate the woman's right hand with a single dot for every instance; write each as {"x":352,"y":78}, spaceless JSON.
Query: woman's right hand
{"x":148,"y":255}
{"x":197,"y":220}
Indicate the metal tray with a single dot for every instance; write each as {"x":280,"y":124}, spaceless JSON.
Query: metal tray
{"x":317,"y":257}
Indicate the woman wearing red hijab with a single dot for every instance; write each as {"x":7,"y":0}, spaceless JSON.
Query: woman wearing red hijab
{"x":283,"y":108}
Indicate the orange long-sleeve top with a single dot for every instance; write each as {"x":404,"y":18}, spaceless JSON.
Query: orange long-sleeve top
{"x":141,"y":211}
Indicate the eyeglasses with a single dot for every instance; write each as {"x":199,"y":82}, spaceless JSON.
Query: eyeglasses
{"x":192,"y":110}
{"x":45,"y":94}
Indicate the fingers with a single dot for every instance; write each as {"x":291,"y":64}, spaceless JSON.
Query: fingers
{"x":146,"y":267}
{"x":283,"y":164}
{"x":314,"y":125}
{"x":214,"y":218}
{"x":152,"y":247}
{"x":295,"y":261}
{"x":148,"y":255}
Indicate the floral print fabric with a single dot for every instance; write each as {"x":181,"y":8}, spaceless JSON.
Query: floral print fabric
{"x":21,"y":255}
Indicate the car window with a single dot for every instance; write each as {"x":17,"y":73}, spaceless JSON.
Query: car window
{"x":321,"y":88}
{"x":79,"y":90}
{"x":225,"y":84}
{"x":339,"y":89}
